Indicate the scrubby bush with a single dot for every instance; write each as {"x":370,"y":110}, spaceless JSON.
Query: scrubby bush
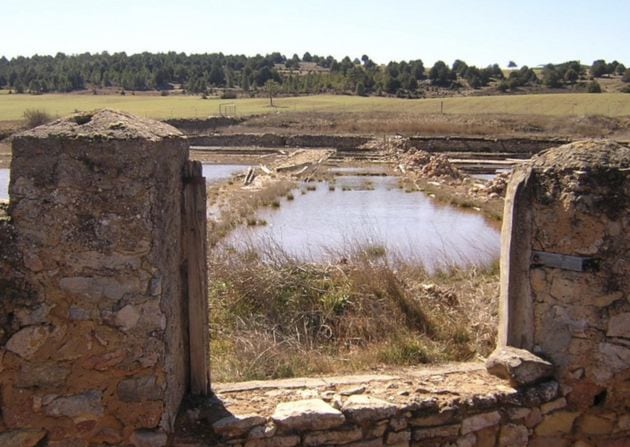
{"x":594,"y":87}
{"x":36,"y":117}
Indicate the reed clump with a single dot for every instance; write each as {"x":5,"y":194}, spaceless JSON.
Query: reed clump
{"x":273,"y":316}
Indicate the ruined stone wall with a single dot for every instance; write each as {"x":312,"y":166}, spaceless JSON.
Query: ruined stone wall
{"x":93,"y":348}
{"x":566,"y":280}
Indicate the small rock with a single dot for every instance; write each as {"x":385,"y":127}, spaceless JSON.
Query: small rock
{"x":234,"y":426}
{"x":350,"y":391}
{"x":539,"y":394}
{"x":21,"y":438}
{"x":127,"y":318}
{"x":261,"y":432}
{"x":27,"y":341}
{"x":80,"y":407}
{"x":553,"y":405}
{"x":519,"y":366}
{"x":309,"y":414}
{"x":362,"y":408}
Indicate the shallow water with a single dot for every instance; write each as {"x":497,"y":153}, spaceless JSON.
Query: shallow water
{"x":218,"y":173}
{"x":4,"y":184}
{"x":324,"y":225}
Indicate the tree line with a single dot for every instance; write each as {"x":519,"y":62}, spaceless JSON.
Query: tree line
{"x":309,"y":74}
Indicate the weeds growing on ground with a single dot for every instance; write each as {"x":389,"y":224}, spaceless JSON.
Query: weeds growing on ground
{"x":273,"y":316}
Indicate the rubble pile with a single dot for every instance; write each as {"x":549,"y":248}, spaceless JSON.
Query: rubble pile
{"x":440,"y":166}
{"x":498,"y":185}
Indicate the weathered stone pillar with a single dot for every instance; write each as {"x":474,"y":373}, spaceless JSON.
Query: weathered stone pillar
{"x":95,"y":351}
{"x":565,"y":274}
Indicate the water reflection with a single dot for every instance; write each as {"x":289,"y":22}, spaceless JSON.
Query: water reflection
{"x":218,"y":173}
{"x":321,"y":225}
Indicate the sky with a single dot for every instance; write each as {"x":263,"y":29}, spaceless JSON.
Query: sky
{"x":480,"y":32}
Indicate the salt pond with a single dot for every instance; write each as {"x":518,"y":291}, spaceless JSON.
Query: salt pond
{"x":218,"y":173}
{"x":322,"y":225}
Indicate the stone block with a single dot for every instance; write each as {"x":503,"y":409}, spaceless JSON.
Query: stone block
{"x":480,"y":421}
{"x":541,"y":393}
{"x":554,"y":405}
{"x":127,"y":318}
{"x":332,"y":437}
{"x":519,"y":366}
{"x":309,"y":414}
{"x":619,"y":325}
{"x":148,"y":438}
{"x":80,"y":407}
{"x":538,"y":441}
{"x":235,"y":426}
{"x":398,"y":437}
{"x":22,"y":438}
{"x":558,"y":423}
{"x":591,"y":424}
{"x":512,"y":435}
{"x":444,"y":431}
{"x":27,"y":341}
{"x":363,"y":408}
{"x":276,"y":441}
{"x":443,"y":418}
{"x":399,"y":423}
{"x":42,"y":375}
{"x":139,"y":389}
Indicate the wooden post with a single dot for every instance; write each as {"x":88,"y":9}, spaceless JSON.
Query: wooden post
{"x":194,"y":245}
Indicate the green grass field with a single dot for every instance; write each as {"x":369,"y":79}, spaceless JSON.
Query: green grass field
{"x":13,"y":106}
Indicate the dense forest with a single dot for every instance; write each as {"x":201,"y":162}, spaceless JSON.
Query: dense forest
{"x":309,"y":74}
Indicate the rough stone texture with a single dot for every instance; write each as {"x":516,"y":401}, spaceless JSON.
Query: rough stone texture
{"x":519,"y":366}
{"x":573,"y":200}
{"x":237,"y":425}
{"x":480,"y":421}
{"x":309,"y":414}
{"x":557,"y":423}
{"x":512,"y":435}
{"x":28,"y":340}
{"x":332,"y":437}
{"x":21,"y":438}
{"x":148,"y":438}
{"x":81,"y":407}
{"x":96,"y":348}
{"x":362,"y":408}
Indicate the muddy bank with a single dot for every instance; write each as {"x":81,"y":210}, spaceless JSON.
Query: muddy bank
{"x":275,"y":140}
{"x":197,"y":126}
{"x":528,"y":146}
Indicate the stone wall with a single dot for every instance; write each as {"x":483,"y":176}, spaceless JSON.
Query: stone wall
{"x":93,"y":342}
{"x":566,"y":278}
{"x":93,"y":330}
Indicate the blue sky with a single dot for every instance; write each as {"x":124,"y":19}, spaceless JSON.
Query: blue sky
{"x":478,"y":31}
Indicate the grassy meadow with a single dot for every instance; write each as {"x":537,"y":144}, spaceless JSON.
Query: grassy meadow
{"x":13,"y":106}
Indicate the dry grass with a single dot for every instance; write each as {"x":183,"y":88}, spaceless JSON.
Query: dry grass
{"x":402,"y":122}
{"x":281,"y":318}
